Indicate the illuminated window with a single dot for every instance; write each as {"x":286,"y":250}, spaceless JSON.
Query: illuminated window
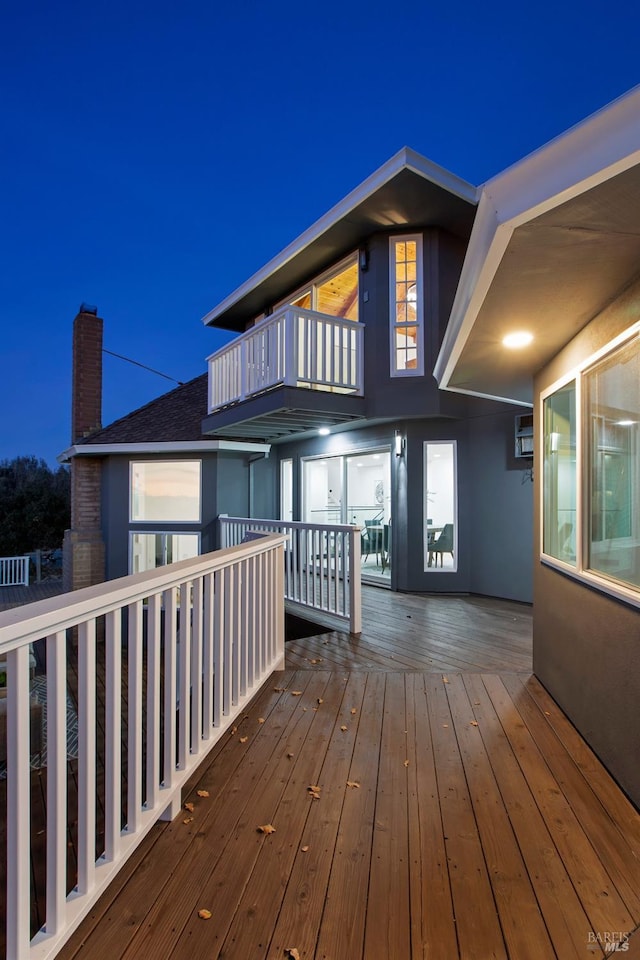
{"x":334,"y":293}
{"x":406,"y":306}
{"x":151,"y":550}
{"x":590,"y":504}
{"x":165,"y":490}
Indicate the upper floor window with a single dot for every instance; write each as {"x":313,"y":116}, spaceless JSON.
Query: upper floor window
{"x":406,"y":297}
{"x":165,"y":490}
{"x":334,"y":292}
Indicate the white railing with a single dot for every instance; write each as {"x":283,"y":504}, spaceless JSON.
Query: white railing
{"x":194,"y":640}
{"x":321,"y":566}
{"x":14,"y":571}
{"x":294,"y":347}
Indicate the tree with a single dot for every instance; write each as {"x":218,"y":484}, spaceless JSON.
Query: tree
{"x":35,"y":506}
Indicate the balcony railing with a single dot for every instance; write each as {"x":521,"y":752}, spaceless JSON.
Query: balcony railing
{"x":178,"y":652}
{"x":14,"y":571}
{"x":321,"y":567}
{"x":294,"y":347}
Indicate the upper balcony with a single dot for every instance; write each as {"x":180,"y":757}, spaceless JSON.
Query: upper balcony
{"x":295,"y":371}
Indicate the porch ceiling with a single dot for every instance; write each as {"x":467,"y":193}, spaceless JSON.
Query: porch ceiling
{"x":556,"y":239}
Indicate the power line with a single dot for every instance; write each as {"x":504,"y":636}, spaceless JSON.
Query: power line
{"x":144,"y":366}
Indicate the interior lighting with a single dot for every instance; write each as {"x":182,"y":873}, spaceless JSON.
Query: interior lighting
{"x":324,"y":431}
{"x":517,"y":339}
{"x":399,"y":443}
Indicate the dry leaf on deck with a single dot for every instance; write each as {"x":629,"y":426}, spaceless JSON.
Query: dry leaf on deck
{"x":314,"y":791}
{"x":292,"y":953}
{"x":202,"y":793}
{"x":289,"y":756}
{"x":305,"y":848}
{"x":204,"y":914}
{"x":343,"y":727}
{"x":352,"y":783}
{"x":406,"y":763}
{"x":474,"y":723}
{"x":188,"y":820}
{"x":445,"y":679}
{"x":320,"y":700}
{"x":243,"y":739}
{"x":267,"y":828}
{"x":233,"y":730}
{"x":190,"y":807}
{"x":260,"y":719}
{"x":296,"y":693}
{"x":278,"y":689}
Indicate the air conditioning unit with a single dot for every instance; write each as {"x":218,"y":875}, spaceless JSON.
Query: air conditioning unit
{"x":524,"y":435}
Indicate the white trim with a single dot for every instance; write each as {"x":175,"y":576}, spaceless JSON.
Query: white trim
{"x":405,"y":159}
{"x":156,"y":463}
{"x":425,"y":471}
{"x":394,"y":370}
{"x":162,"y":447}
{"x":588,"y":154}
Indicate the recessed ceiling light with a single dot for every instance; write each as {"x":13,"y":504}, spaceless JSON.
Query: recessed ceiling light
{"x":324,"y":431}
{"x":519,"y":338}
{"x":624,"y":423}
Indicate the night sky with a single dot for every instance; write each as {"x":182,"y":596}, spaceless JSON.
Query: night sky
{"x":154,"y":155}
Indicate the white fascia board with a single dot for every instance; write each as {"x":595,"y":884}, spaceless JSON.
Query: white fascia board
{"x":598,"y":148}
{"x":404,"y":159}
{"x":165,"y":447}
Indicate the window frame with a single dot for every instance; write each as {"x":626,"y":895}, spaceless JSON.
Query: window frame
{"x":311,"y":286}
{"x":425,"y":505}
{"x":164,"y":520}
{"x":580,"y":570}
{"x":162,"y":533}
{"x":394,"y":326}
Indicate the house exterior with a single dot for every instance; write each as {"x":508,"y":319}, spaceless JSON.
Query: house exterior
{"x":556,"y":244}
{"x":325,"y":409}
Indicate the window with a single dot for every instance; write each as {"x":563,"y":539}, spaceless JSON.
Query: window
{"x":151,"y":550}
{"x":440,"y":506}
{"x":334,"y":292}
{"x":560,"y":481}
{"x":590,"y":503}
{"x":406,"y":298}
{"x":286,"y":490}
{"x":167,"y":491}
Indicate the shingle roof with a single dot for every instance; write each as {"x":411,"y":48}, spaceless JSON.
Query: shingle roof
{"x":175,"y":416}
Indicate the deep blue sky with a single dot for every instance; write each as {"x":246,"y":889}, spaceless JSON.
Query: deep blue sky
{"x":154,"y":155}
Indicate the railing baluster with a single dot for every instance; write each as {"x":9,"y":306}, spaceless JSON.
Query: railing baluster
{"x":218,"y":647}
{"x":86,"y":755}
{"x":208,"y":661}
{"x":113,"y":734}
{"x":184,"y":674}
{"x":134,"y":718}
{"x":170,"y":686}
{"x":18,"y":805}
{"x":236,"y":631}
{"x":196,"y":667}
{"x":154,"y":652}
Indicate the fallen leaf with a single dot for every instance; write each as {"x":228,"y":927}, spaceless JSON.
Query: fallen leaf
{"x":353,"y":710}
{"x":314,"y":792}
{"x":296,"y":693}
{"x":406,"y":763}
{"x":204,"y":914}
{"x":304,"y":849}
{"x":190,"y":807}
{"x":314,"y":786}
{"x":320,"y":700}
{"x":234,"y":730}
{"x":313,"y":661}
{"x":292,"y":953}
{"x":352,"y":783}
{"x":267,"y":828}
{"x":278,"y":689}
{"x":289,"y":756}
{"x":445,"y":724}
{"x":243,"y":739}
{"x":547,"y":714}
{"x":187,"y":820}
{"x":445,"y":680}
{"x":260,"y":719}
{"x":474,"y":723}
{"x":343,"y":727}
{"x":202,"y":793}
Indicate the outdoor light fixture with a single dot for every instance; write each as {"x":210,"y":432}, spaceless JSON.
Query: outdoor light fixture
{"x":324,"y":431}
{"x":399,"y":441}
{"x":364,"y":259}
{"x":517,"y":339}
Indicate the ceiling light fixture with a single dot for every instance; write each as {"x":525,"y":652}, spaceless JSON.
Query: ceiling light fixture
{"x":324,"y":431}
{"x":517,"y":339}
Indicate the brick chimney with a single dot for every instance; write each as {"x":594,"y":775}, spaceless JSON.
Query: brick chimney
{"x":86,"y":389}
{"x":84,"y":553}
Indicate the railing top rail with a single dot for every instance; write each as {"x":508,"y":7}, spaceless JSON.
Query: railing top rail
{"x":276,"y":317}
{"x":295,"y":524}
{"x":22,"y":625}
{"x":22,"y":556}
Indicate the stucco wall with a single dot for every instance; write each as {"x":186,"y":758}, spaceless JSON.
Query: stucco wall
{"x":586,"y":643}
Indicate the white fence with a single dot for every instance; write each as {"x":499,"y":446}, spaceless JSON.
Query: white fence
{"x":294,"y":347}
{"x":195,"y":640}
{"x":14,"y":571}
{"x":321,"y":566}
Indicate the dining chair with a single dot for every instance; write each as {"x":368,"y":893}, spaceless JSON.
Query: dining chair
{"x":443,"y":544}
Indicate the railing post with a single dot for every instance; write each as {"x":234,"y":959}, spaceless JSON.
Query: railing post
{"x":355,"y":585}
{"x":18,"y":806}
{"x":290,"y":349}
{"x":243,"y":369}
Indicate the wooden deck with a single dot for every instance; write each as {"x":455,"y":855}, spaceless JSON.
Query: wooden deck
{"x":458,"y":813}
